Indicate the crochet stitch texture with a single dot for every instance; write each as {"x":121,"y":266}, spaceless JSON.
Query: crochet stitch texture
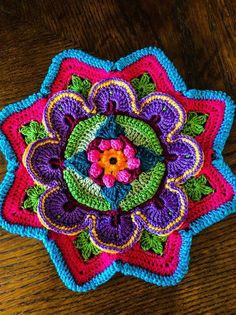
{"x":115,"y":166}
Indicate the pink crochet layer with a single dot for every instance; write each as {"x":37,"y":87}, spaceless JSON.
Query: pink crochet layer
{"x":13,"y":123}
{"x":84,"y":271}
{"x":147,"y":64}
{"x":12,"y":208}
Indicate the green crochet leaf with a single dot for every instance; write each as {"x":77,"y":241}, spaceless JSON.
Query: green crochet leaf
{"x":33,"y":194}
{"x":152,"y":242}
{"x":83,"y":134}
{"x":79,"y":85}
{"x":33,"y":131}
{"x":85,"y":191}
{"x":85,"y":246}
{"x":140,"y":133}
{"x":195,"y":124}
{"x":197,"y":188}
{"x":144,"y":187}
{"x":143,"y":85}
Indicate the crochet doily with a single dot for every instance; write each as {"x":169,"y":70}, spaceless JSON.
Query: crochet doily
{"x":115,"y":166}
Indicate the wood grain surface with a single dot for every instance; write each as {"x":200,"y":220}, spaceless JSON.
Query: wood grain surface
{"x":199,"y":37}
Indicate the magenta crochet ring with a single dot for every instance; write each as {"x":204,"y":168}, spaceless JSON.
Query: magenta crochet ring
{"x":115,"y":166}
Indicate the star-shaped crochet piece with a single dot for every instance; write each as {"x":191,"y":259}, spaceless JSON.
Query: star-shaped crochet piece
{"x":115,"y":166}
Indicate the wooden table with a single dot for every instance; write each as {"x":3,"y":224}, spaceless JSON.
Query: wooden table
{"x":199,"y":37}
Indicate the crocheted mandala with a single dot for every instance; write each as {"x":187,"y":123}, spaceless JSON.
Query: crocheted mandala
{"x":115,"y":166}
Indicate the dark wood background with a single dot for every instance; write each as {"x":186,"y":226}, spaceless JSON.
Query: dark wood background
{"x":199,"y":37}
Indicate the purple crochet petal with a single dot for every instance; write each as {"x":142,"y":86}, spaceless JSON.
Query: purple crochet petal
{"x":157,"y":110}
{"x":61,"y":115}
{"x":186,"y":163}
{"x":164,"y":113}
{"x":113,"y":235}
{"x":43,"y":161}
{"x":60,"y":213}
{"x":112,"y":95}
{"x":160,"y":216}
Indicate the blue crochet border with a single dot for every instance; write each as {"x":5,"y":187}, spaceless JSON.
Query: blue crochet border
{"x":196,"y":226}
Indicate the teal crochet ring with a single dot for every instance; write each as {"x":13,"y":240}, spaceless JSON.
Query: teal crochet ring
{"x":115,"y":166}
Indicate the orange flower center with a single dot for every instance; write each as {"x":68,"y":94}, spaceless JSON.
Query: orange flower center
{"x":113,"y":161}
